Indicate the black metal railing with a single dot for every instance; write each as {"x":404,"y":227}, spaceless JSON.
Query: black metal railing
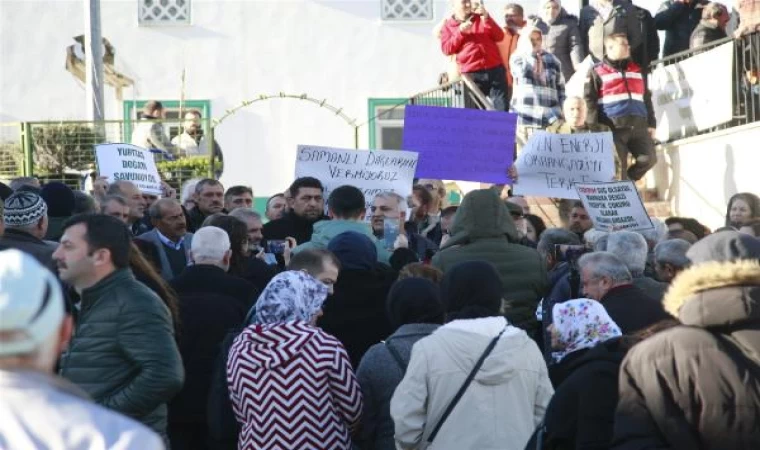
{"x":462,"y":93}
{"x":745,"y":81}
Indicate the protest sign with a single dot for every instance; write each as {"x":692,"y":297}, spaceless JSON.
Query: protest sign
{"x":614,"y":206}
{"x":687,"y":98}
{"x":550,"y":164}
{"x":460,"y":143}
{"x":126,"y":162}
{"x":373,"y":171}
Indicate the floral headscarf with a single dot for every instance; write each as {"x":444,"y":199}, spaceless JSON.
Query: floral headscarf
{"x":290,"y":296}
{"x":582,"y":323}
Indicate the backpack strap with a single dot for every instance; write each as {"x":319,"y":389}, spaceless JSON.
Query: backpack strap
{"x":466,"y":383}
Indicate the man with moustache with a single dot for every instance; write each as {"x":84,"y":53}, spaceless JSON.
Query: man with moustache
{"x":306,"y":205}
{"x":209,"y":200}
{"x":169,"y":237}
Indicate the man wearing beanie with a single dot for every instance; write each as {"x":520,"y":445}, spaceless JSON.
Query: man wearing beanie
{"x":696,"y":385}
{"x":60,"y":203}
{"x":26,"y":223}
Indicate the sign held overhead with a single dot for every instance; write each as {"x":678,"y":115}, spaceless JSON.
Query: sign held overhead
{"x":126,"y":162}
{"x":551,"y":164}
{"x":614,"y":206}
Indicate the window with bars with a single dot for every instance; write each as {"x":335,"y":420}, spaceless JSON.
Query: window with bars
{"x":164,"y":12}
{"x":407,"y":9}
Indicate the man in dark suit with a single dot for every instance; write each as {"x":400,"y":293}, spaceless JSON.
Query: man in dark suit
{"x":168,"y":243}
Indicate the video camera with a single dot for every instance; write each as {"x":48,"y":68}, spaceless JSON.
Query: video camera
{"x":569,"y":253}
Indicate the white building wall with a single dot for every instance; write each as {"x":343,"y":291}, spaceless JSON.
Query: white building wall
{"x":340,"y":51}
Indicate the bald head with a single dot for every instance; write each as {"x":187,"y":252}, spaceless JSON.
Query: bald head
{"x":131,"y":193}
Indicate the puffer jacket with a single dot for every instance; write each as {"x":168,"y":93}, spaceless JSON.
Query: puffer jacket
{"x":594,"y":28}
{"x":48,"y":412}
{"x":483,"y":230}
{"x":563,"y":40}
{"x":502,"y":405}
{"x":678,"y":19}
{"x":697,"y":386}
{"x":123,"y":353}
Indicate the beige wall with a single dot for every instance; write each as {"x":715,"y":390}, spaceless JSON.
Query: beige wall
{"x":699,"y":175}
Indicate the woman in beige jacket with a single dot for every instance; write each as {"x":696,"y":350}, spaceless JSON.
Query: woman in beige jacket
{"x":508,"y":396}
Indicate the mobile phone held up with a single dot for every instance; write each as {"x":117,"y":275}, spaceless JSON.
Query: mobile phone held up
{"x":390,"y":232}
{"x":276,"y":246}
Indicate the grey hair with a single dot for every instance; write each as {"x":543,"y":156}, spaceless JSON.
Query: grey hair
{"x":155,"y":209}
{"x":594,"y":236}
{"x":115,"y":188}
{"x":601,"y":243}
{"x":656,"y":234}
{"x":210,"y":244}
{"x":631,"y":248}
{"x":673,"y":252}
{"x":605,"y":264}
{"x":555,"y":236}
{"x":112,"y":198}
{"x":188,"y":189}
{"x":394,"y":196}
{"x":245,"y":213}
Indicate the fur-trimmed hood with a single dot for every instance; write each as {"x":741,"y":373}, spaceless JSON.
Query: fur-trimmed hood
{"x":718,"y":293}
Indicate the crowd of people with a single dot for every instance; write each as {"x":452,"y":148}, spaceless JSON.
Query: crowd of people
{"x":196,"y":323}
{"x":523,"y":66}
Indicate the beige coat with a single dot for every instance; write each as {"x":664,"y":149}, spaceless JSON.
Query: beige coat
{"x":501,"y":407}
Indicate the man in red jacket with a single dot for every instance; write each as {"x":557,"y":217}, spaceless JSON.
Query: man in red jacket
{"x":471,"y":34}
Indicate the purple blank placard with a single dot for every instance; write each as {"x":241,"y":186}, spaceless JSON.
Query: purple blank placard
{"x":460,"y":144}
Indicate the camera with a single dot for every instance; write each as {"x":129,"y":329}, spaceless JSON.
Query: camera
{"x":569,"y":253}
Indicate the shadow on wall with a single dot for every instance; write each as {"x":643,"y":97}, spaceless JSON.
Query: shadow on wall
{"x":729,"y":180}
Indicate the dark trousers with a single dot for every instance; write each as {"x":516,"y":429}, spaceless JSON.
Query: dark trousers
{"x":634,"y":140}
{"x":493,"y":83}
{"x":188,"y":436}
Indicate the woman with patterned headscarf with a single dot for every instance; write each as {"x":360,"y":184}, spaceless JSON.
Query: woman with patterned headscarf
{"x":589,"y":350}
{"x":291,"y":384}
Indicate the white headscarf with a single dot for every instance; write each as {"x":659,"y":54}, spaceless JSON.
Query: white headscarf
{"x":582,"y":323}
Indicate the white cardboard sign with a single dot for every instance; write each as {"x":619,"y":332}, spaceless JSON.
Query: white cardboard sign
{"x":551,"y":164}
{"x":614,"y":206}
{"x":126,"y":162}
{"x":372,"y":171}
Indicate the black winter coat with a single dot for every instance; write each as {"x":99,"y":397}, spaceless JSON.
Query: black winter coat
{"x":678,"y":19}
{"x":697,"y":386}
{"x":581,"y":413}
{"x":291,"y":225}
{"x":356,"y":313}
{"x":632,"y":310}
{"x":207,"y":279}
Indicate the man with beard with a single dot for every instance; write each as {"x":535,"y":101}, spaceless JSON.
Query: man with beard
{"x":578,"y":220}
{"x":192,"y":141}
{"x":209,"y":200}
{"x":389,"y":206}
{"x":306,"y":205}
{"x":169,"y":237}
{"x":424,"y":218}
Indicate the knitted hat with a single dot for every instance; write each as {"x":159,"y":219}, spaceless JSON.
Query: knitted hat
{"x":24,"y":208}
{"x":59,"y":199}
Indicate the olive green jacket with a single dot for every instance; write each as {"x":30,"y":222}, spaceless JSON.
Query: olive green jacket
{"x":483,"y":230}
